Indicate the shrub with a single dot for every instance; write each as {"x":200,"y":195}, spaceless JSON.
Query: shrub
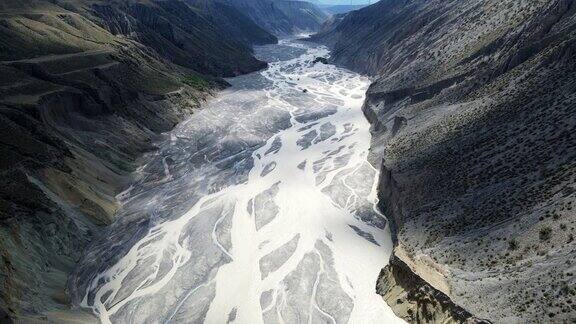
{"x":195,"y":82}
{"x":545,"y":233}
{"x":513,"y":245}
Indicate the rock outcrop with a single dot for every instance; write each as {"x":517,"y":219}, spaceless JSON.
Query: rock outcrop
{"x":473,"y":107}
{"x":415,"y":300}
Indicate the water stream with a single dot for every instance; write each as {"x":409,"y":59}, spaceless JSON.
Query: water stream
{"x":258,"y":209}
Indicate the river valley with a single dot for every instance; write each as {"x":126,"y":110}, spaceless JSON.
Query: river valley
{"x":193,"y":161}
{"x":258,"y":209}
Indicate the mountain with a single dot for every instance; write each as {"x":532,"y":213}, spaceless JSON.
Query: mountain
{"x":282,"y":17}
{"x":265,"y":14}
{"x":177,"y":31}
{"x":86,"y":87}
{"x":237,"y":25}
{"x":473,"y":129}
{"x":304,"y":16}
{"x":340,"y":9}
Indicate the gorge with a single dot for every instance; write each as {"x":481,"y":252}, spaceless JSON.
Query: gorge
{"x":194,"y":161}
{"x":266,"y":194}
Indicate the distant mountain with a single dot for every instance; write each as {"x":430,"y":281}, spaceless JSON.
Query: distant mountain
{"x":282,"y":17}
{"x":265,"y":14}
{"x":340,"y":9}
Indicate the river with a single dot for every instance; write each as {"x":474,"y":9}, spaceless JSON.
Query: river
{"x":260,"y":208}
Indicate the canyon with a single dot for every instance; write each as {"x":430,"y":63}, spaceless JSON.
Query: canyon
{"x":411,"y":160}
{"x":266,"y":194}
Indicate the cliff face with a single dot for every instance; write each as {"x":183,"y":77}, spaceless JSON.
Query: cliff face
{"x":473,"y":113}
{"x":85,"y":89}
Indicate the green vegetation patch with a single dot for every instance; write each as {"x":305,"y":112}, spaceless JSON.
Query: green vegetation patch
{"x":195,"y":82}
{"x":545,"y":233}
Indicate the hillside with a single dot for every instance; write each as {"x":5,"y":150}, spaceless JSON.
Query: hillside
{"x":86,"y":87}
{"x":282,"y":17}
{"x":473,"y":122}
{"x":177,"y":31}
{"x":237,"y":25}
{"x":340,"y":9}
{"x":305,"y":16}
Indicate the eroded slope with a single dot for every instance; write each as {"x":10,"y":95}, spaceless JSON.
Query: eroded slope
{"x":474,"y":115}
{"x":85,"y":89}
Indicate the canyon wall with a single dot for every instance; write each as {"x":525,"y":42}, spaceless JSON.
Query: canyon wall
{"x":473,"y":107}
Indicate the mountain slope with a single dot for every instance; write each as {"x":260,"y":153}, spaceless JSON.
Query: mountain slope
{"x":86,"y":87}
{"x":281,"y":17}
{"x":176,"y":30}
{"x":185,"y":36}
{"x":341,"y":9}
{"x":238,"y":26}
{"x":473,"y":117}
{"x":304,"y":16}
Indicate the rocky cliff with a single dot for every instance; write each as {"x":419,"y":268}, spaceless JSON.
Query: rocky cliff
{"x":473,"y":112}
{"x":86,"y":87}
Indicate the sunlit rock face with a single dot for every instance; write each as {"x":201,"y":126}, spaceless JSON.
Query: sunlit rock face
{"x":258,"y":209}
